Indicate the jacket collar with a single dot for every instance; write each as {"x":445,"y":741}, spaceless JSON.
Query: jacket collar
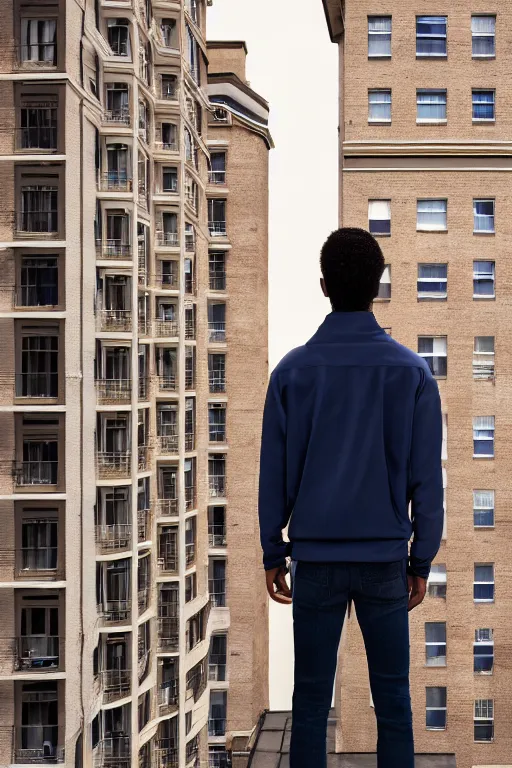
{"x":340,"y":325}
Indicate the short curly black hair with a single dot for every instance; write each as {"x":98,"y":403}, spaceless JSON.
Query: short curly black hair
{"x":352,"y":265}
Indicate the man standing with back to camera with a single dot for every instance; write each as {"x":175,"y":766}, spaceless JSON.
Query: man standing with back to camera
{"x":352,"y":433}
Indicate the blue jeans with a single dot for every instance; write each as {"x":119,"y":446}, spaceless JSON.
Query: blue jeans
{"x":321,"y":593}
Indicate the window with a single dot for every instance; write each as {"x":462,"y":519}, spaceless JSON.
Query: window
{"x":118,"y":32}
{"x":217,"y":475}
{"x":38,"y":125}
{"x":217,"y":372}
{"x":431,"y":215}
{"x":483,"y":33}
{"x":431,"y":106}
{"x":435,"y":643}
{"x":217,"y":422}
{"x":483,"y":105}
{"x":217,"y":217}
{"x":379,"y":217}
{"x":483,"y":509}
{"x":217,"y":174}
{"x":168,"y":28}
{"x":483,"y":280}
{"x":170,"y":179}
{"x":190,"y":587}
{"x":379,"y":106}
{"x":218,"y":657}
{"x":433,"y":350}
{"x":39,"y":41}
{"x":437,"y":581}
{"x":39,"y":544}
{"x":169,"y":86}
{"x":216,"y":322}
{"x":483,"y":652}
{"x":379,"y":36}
{"x":483,"y":585}
{"x":39,"y":365}
{"x":484,"y":720}
{"x":483,"y":436}
{"x":118,"y":104}
{"x":431,"y":36}
{"x":39,"y":211}
{"x":38,"y":282}
{"x":483,"y":216}
{"x":217,"y":718}
{"x":432,"y":281}
{"x":483,"y":357}
{"x":217,"y":270}
{"x":436,"y":709}
{"x":385,"y":284}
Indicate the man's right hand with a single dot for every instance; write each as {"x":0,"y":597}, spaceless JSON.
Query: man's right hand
{"x":417,"y":590}
{"x":277,"y":587}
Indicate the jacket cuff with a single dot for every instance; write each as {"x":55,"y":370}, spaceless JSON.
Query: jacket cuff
{"x":415,"y":568}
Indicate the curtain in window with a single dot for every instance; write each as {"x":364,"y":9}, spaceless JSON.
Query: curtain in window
{"x":431,"y":214}
{"x":431,"y":105}
{"x":483,"y":508}
{"x":483,"y":435}
{"x":431,"y":35}
{"x":483,"y":30}
{"x":483,"y":278}
{"x":38,"y":40}
{"x":483,"y":105}
{"x":379,"y":36}
{"x":379,"y":217}
{"x":483,"y":214}
{"x":432,"y":279}
{"x":379,"y":105}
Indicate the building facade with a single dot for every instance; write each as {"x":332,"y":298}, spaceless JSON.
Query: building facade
{"x":133,"y":326}
{"x":425,"y":161}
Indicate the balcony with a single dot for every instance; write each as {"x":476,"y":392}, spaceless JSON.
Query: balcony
{"x":113,"y":181}
{"x":112,"y":752}
{"x":168,"y":444}
{"x":32,"y":563}
{"x":113,"y":249}
{"x":217,"y":486}
{"x":217,"y":381}
{"x":217,"y":589}
{"x":113,"y":464}
{"x":168,"y":697}
{"x":217,"y":535}
{"x":115,"y":612}
{"x":167,"y":239}
{"x":29,"y":473}
{"x":217,"y":332}
{"x":41,"y":138}
{"x":116,"y":117}
{"x":168,"y":634}
{"x":217,"y":177}
{"x":114,"y":320}
{"x":43,"y":750}
{"x":36,"y":222}
{"x":36,"y":653}
{"x":163,"y":756}
{"x":167,"y":507}
{"x":113,"y":390}
{"x":115,"y":684}
{"x":113,"y":538}
{"x":167,"y":562}
{"x":166,"y":146}
{"x":217,"y":228}
{"x":165,"y":328}
{"x":168,"y":382}
{"x":143,"y":524}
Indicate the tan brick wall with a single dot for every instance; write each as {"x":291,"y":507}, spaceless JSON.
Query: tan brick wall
{"x":227,"y":60}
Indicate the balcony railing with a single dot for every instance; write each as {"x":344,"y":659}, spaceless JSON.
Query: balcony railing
{"x":217,"y":332}
{"x":144,"y":325}
{"x":217,"y":726}
{"x":190,"y":553}
{"x":143,"y":524}
{"x":217,"y":588}
{"x":37,"y":137}
{"x":190,"y":497}
{"x":113,"y":537}
{"x":217,"y":228}
{"x":35,"y":473}
{"x":166,"y":146}
{"x":168,"y":382}
{"x":143,"y":598}
{"x":113,"y":464}
{"x":36,"y":652}
{"x":143,"y":458}
{"x":167,"y":507}
{"x":165,"y":757}
{"x":44,"y":748}
{"x":31,"y":563}
{"x":168,"y":697}
{"x":112,"y":181}
{"x":217,"y":671}
{"x":165,"y":328}
{"x":217,"y":381}
{"x":115,"y":684}
{"x":40,"y":222}
{"x":218,"y":281}
{"x":114,"y":390}
{"x":167,"y":239}
{"x":144,"y":384}
{"x":219,"y":115}
{"x":217,"y":486}
{"x":113,"y":249}
{"x":192,"y":750}
{"x":190,"y":329}
{"x":168,"y":634}
{"x":218,"y":759}
{"x":112,"y":752}
{"x":117,"y":116}
{"x":168,"y":282}
{"x":217,"y":177}
{"x":190,"y":441}
{"x":168,"y":444}
{"x":115,"y":611}
{"x":114,"y":320}
{"x":217,"y":535}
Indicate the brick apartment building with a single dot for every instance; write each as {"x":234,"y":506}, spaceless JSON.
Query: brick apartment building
{"x":425,"y":159}
{"x":133,"y":368}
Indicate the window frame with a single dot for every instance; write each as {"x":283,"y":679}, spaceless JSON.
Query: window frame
{"x":432,"y":230}
{"x":424,"y":36}
{"x":483,"y":508}
{"x":433,"y":355}
{"x":474,"y":92}
{"x":479,"y":643}
{"x":437,"y":709}
{"x":477,"y":35}
{"x":489,"y":600}
{"x":380,"y":120}
{"x":484,"y":439}
{"x":480,"y":215}
{"x":432,"y":120}
{"x":370,"y":229}
{"x":481,"y":720}
{"x":484,"y":276}
{"x":377,"y":34}
{"x":477,"y":375}
{"x":435,"y":644}
{"x":424,"y":295}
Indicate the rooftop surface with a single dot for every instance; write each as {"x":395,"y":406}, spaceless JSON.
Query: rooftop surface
{"x":273,"y":745}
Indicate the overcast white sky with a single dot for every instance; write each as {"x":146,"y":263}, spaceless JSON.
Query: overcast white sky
{"x":292,"y":64}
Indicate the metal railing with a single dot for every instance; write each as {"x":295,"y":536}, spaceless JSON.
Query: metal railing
{"x":143,"y":524}
{"x":190,"y":441}
{"x":167,"y":146}
{"x":165,"y":757}
{"x":168,"y":696}
{"x":217,"y":726}
{"x":217,"y":589}
{"x":45,"y":384}
{"x":168,"y":634}
{"x":112,"y":752}
{"x":190,"y":553}
{"x":143,"y":457}
{"x":114,"y":390}
{"x":144,"y":384}
{"x":217,"y":534}
{"x":217,"y":177}
{"x":113,"y":464}
{"x":113,"y":249}
{"x":217,"y":433}
{"x":167,"y":239}
{"x":113,"y":537}
{"x":218,"y":281}
{"x":217,"y":486}
{"x":112,"y":181}
{"x":44,"y":748}
{"x":167,"y":561}
{"x":31,"y":562}
{"x":114,"y":320}
{"x":37,"y":137}
{"x":217,"y":228}
{"x":37,"y":222}
{"x":115,"y":684}
{"x":144,"y":325}
{"x":217,"y":381}
{"x":118,"y":116}
{"x":35,"y":473}
{"x":36,"y":652}
{"x":168,"y":444}
{"x":190,"y":243}
{"x":167,"y":507}
{"x":169,"y":281}
{"x":164,"y":328}
{"x":190,"y":329}
{"x":143,"y":598}
{"x":190,"y":497}
{"x":115,"y":611}
{"x":168,"y":382}
{"x":216,"y":331}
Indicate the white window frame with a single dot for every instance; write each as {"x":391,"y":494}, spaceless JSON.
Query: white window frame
{"x":477,"y":216}
{"x":491,"y":427}
{"x":379,"y":204}
{"x":382,"y":91}
{"x":484,"y":276}
{"x":431,"y":120}
{"x":377,"y":34}
{"x":437,"y":579}
{"x":474,"y":92}
{"x":440,"y":37}
{"x":437,"y":709}
{"x":484,"y":362}
{"x":423,"y":228}
{"x":437,"y":351}
{"x":480,"y":505}
{"x":481,"y":640}
{"x":481,"y":719}
{"x":493,"y":582}
{"x":475,"y":35}
{"x":432,"y":644}
{"x":436,"y":295}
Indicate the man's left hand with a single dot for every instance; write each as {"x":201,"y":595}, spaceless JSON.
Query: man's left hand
{"x":277,"y":587}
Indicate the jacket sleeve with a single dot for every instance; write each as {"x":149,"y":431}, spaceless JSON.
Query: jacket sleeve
{"x":272,"y":502}
{"x":426,"y":479}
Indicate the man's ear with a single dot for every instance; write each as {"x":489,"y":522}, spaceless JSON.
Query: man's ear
{"x":324,"y":289}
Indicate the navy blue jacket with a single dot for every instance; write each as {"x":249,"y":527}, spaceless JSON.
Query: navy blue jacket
{"x":352,"y":434}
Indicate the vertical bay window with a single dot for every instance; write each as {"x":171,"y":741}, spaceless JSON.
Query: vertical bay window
{"x":169,"y":179}
{"x":117,"y":103}
{"x":483,"y":357}
{"x":483,"y":652}
{"x":118,"y":167}
{"x":483,"y":34}
{"x":167,"y":235}
{"x":379,"y":217}
{"x":483,"y":436}
{"x":118,"y":234}
{"x":431,"y":36}
{"x":217,"y":422}
{"x":169,"y":34}
{"x":169,"y":136}
{"x":483,"y":509}
{"x":39,"y":42}
{"x":169,"y":87}
{"x":431,"y":216}
{"x":379,"y":36}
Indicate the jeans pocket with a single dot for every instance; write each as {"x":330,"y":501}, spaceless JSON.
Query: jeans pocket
{"x":381,"y":573}
{"x":314,"y":573}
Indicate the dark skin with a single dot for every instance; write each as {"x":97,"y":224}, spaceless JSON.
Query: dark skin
{"x":280,"y":592}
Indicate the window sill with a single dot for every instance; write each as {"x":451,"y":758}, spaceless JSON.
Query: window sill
{"x":490,"y":120}
{"x":379,"y":56}
{"x":433,"y":231}
{"x":485,"y":527}
{"x":431,"y":55}
{"x":477,"y":296}
{"x":484,"y":232}
{"x":382,"y":300}
{"x":482,"y":456}
{"x":432,"y":298}
{"x":483,"y":56}
{"x":441,"y":121}
{"x":435,"y":729}
{"x":440,"y":378}
{"x":380,"y":234}
{"x":379,"y":122}
{"x":478,"y":602}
